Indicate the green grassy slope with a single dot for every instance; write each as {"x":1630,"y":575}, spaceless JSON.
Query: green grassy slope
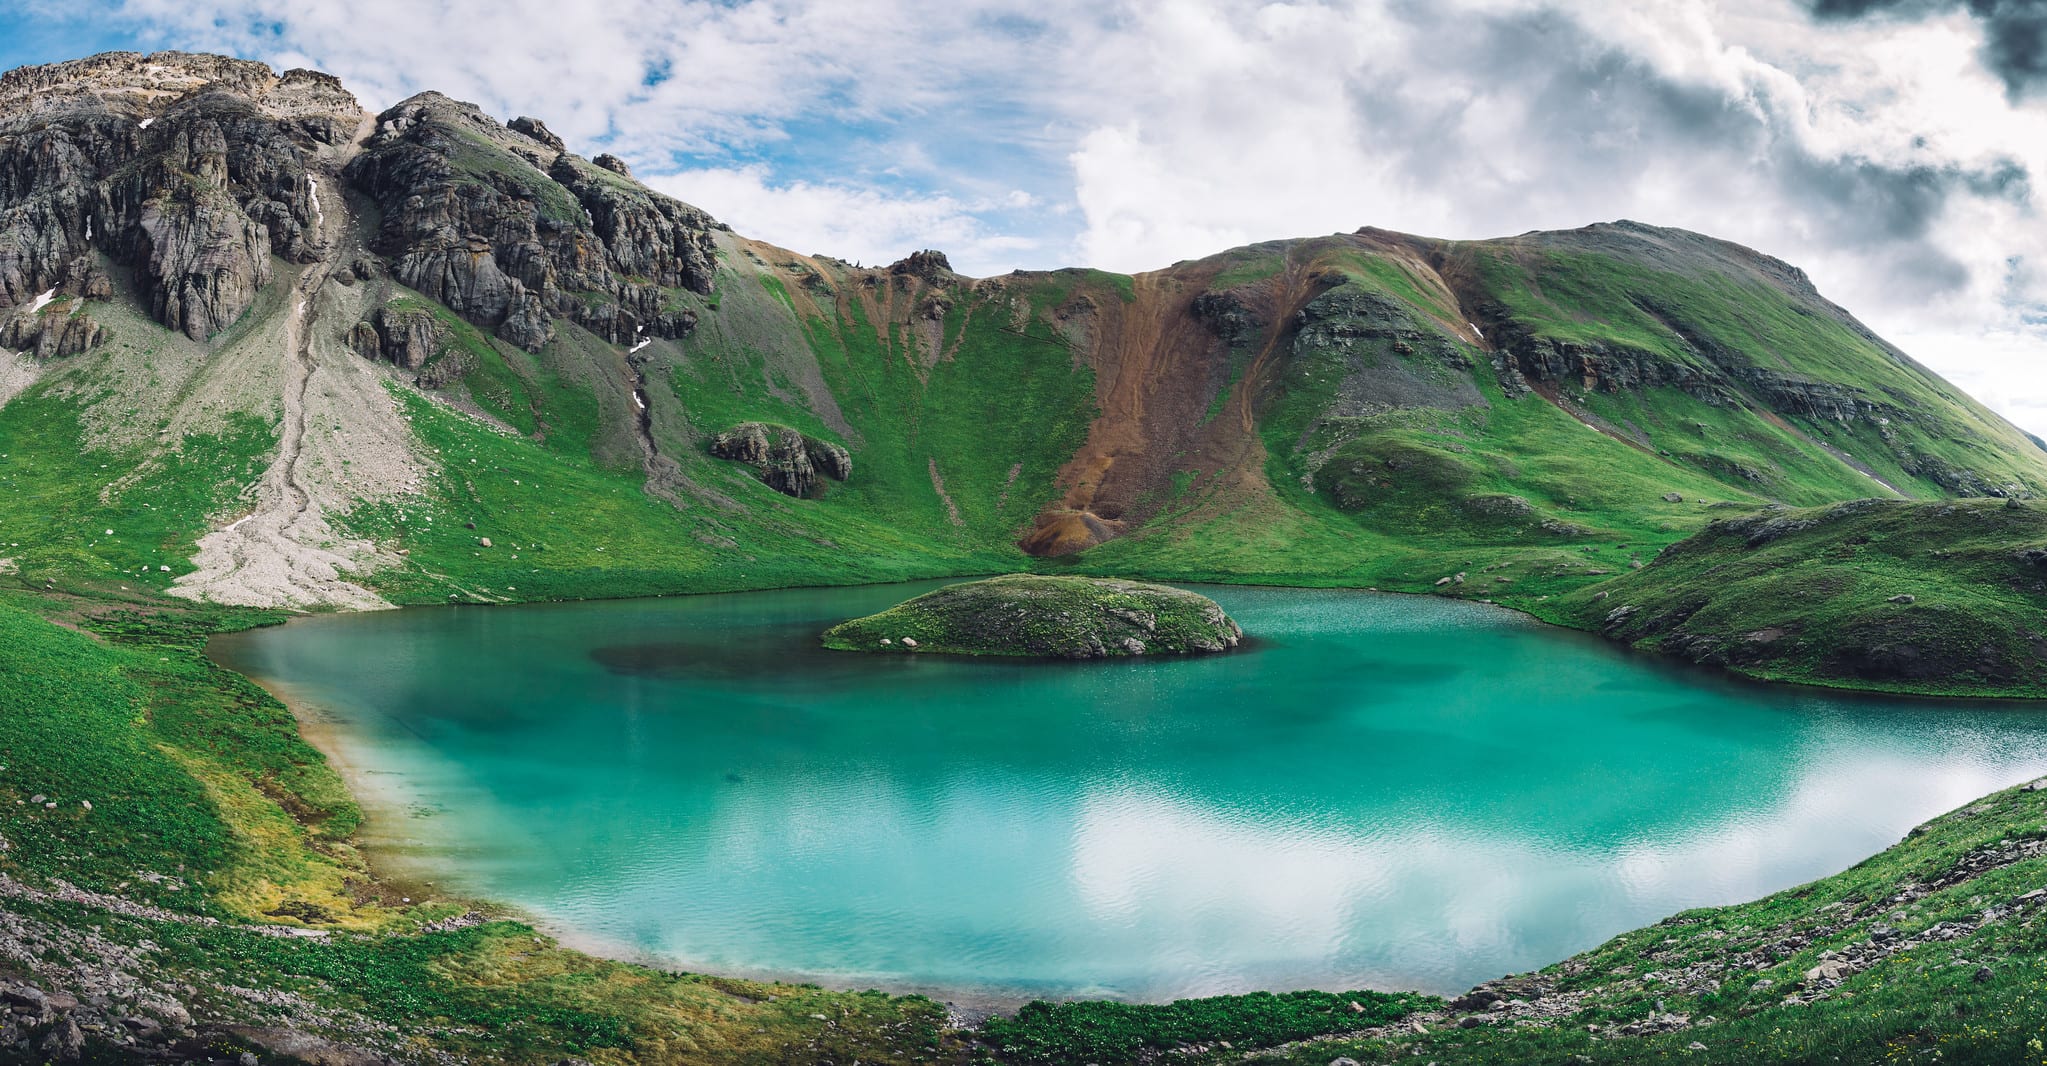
{"x":1946,"y":597}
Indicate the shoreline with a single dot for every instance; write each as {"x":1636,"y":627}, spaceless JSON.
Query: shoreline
{"x":385,"y":811}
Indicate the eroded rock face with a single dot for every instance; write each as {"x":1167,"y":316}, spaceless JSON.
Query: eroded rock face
{"x":407,"y":337}
{"x":788,"y":461}
{"x":189,"y":170}
{"x":512,"y":232}
{"x":929,"y":265}
{"x":51,"y":336}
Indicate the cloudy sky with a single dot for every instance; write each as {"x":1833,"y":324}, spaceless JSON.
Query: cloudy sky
{"x":1890,"y":147}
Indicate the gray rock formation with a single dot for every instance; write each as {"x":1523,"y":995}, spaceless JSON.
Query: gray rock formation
{"x":405,"y":336}
{"x":537,"y":130}
{"x":929,"y":265}
{"x":473,"y":219}
{"x":788,"y":461}
{"x":51,"y":336}
{"x":191,"y":171}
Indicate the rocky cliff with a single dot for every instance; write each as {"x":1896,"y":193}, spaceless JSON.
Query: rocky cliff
{"x":187,"y":172}
{"x":512,"y":232}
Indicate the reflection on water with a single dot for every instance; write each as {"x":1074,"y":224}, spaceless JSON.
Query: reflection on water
{"x":1384,"y":791}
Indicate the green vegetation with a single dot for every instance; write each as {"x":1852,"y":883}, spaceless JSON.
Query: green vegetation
{"x":1113,"y":1034}
{"x":1934,"y":950}
{"x":1689,"y":384}
{"x":1053,"y":617}
{"x":1943,"y":598}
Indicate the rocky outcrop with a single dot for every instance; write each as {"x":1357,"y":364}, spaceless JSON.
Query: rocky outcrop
{"x":930,"y":266}
{"x":788,"y":461}
{"x":405,"y":336}
{"x":538,"y":131}
{"x":474,"y":220}
{"x":190,"y":170}
{"x":1045,"y":617}
{"x":1385,"y":359}
{"x":51,"y":336}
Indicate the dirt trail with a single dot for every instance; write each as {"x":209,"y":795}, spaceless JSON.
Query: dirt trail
{"x":283,"y":554}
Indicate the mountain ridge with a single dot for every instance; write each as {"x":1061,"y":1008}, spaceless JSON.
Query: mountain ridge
{"x":393,"y":299}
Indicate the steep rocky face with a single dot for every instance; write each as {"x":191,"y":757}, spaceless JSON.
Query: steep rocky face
{"x":511,"y":232}
{"x":788,"y":461}
{"x":191,"y":171}
{"x":404,"y":336}
{"x":51,"y":336}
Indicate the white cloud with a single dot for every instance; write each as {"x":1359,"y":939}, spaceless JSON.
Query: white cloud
{"x":859,"y":223}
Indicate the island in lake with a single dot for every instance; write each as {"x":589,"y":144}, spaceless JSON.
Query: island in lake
{"x":1049,"y":617}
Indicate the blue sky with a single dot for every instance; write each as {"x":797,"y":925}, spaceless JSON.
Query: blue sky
{"x":1888,"y":147}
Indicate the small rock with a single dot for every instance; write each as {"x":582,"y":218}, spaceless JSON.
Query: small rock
{"x":1830,"y":970}
{"x":1441,"y":581}
{"x":483,"y":542}
{"x":1459,"y":577}
{"x":1695,"y":1046}
{"x":247,"y":1058}
{"x":1672,"y":497}
{"x":1981,"y":975}
{"x":25,"y":996}
{"x":1470,"y":1021}
{"x":1903,"y":597}
{"x":885,"y":642}
{"x":87,"y":804}
{"x":37,"y":798}
{"x":1343,"y":1060}
{"x":909,"y":642}
{"x":64,"y":1041}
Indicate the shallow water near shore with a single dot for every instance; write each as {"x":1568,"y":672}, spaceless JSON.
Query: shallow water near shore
{"x":1381,"y":791}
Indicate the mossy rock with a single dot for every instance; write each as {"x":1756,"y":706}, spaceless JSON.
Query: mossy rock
{"x":1045,"y":617}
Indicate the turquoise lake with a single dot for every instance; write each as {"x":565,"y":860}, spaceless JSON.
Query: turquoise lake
{"x":1380,"y":791}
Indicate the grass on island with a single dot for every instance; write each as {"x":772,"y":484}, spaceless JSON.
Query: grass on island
{"x":1052,"y":616}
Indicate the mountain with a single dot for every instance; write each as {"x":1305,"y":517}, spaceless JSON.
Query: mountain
{"x":279,"y":352}
{"x":265,"y":351}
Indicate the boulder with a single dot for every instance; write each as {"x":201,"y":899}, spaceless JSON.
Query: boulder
{"x":788,"y":461}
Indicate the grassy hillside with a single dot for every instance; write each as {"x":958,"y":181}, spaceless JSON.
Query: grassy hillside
{"x":1903,"y":596}
{"x":1639,"y":431}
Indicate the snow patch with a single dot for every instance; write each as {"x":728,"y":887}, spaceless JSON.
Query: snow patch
{"x":42,"y":301}
{"x":638,"y":346}
{"x":319,"y":216}
{"x":144,"y":124}
{"x":238,"y":523}
{"x":1475,"y":329}
{"x":638,"y":399}
{"x":88,"y":229}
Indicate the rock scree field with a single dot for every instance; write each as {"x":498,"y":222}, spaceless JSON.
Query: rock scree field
{"x":277,"y":354}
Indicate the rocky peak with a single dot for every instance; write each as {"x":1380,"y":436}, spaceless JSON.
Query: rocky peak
{"x":538,"y":131}
{"x":929,"y":265}
{"x":477,"y":217}
{"x":614,"y":164}
{"x":190,"y":171}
